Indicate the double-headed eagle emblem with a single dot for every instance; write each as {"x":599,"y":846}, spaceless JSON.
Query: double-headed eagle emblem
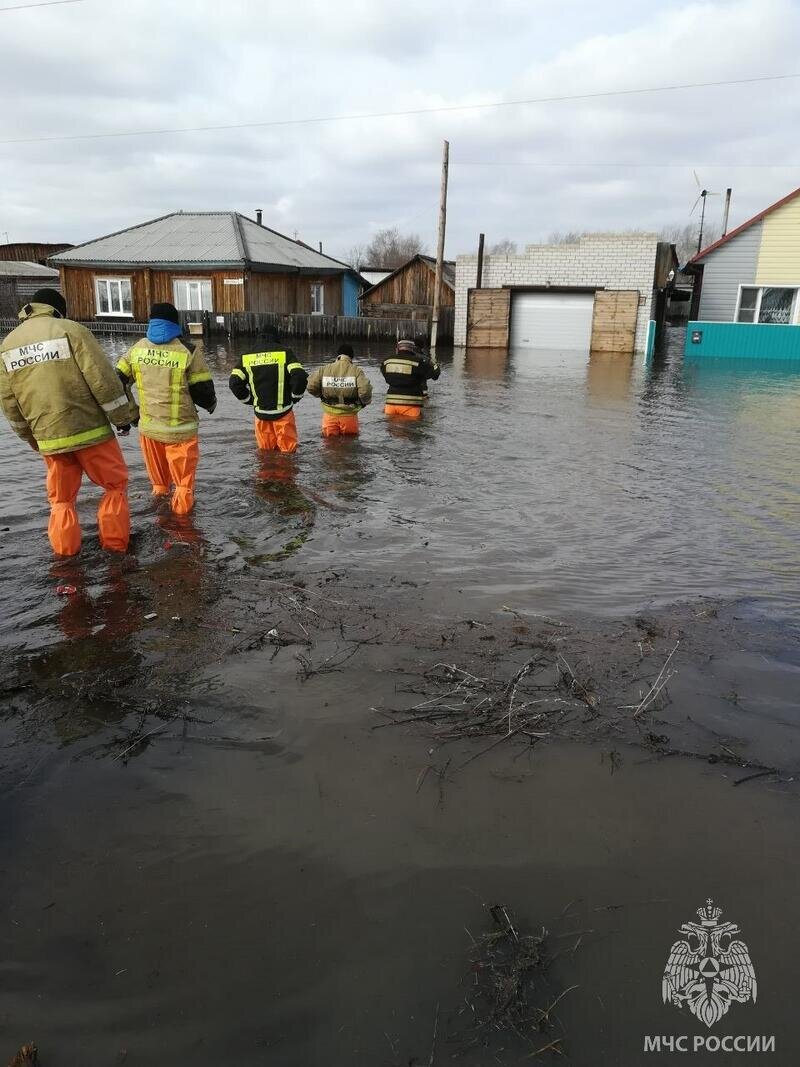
{"x":709,"y":970}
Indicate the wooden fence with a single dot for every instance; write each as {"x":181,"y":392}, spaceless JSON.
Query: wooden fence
{"x":275,"y":327}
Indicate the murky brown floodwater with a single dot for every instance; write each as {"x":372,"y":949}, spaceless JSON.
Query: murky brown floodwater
{"x":265,"y":878}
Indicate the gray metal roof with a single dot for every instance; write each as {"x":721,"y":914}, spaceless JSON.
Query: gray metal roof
{"x":199,"y":238}
{"x":15,"y":268}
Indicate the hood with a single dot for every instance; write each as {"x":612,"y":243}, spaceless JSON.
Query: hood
{"x":160,"y":331}
{"x":30,"y":311}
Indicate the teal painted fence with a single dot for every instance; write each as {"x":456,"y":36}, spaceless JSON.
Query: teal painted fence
{"x":650,"y":344}
{"x":742,"y":340}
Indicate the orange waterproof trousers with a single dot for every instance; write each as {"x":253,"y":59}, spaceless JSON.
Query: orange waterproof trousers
{"x":105,"y":465}
{"x":403,"y":411}
{"x":339,"y":425}
{"x":173,"y":464}
{"x":277,"y":434}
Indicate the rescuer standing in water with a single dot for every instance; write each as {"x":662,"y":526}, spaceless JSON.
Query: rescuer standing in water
{"x":343,"y":389}
{"x":407,"y":374}
{"x":171,"y":377}
{"x":59,"y":391}
{"x":271,"y":382}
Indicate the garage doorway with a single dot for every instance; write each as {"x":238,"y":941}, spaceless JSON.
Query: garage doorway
{"x":555,"y":321}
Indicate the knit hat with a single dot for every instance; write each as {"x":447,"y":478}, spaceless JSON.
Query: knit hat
{"x":53,"y":298}
{"x":406,"y":346}
{"x":165,"y":311}
{"x":345,"y":350}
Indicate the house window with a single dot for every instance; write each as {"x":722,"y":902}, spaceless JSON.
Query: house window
{"x":748,"y":305}
{"x":113,"y":296}
{"x":771,"y":304}
{"x":191,"y":295}
{"x":317,"y":299}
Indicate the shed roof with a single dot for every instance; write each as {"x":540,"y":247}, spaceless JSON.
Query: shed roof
{"x":745,"y":226}
{"x":20,"y":268}
{"x":448,"y":271}
{"x":202,"y":239}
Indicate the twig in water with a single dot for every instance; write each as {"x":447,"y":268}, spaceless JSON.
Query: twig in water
{"x":432,"y":1056}
{"x":555,"y":1046}
{"x":139,"y":740}
{"x":655,"y":688}
{"x":758,"y":774}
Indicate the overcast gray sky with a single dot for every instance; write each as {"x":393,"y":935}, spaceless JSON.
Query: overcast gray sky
{"x":101,"y":66}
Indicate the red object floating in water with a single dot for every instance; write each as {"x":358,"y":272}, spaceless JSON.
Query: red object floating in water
{"x":66,"y":590}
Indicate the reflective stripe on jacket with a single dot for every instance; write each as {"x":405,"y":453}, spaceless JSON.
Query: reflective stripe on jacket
{"x":406,"y":375}
{"x":164,"y":375}
{"x":57,"y":386}
{"x":343,"y":387}
{"x":271,"y":381}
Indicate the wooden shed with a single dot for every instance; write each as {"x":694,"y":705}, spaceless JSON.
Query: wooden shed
{"x":407,"y":292}
{"x":19,"y":280}
{"x":215,"y":261}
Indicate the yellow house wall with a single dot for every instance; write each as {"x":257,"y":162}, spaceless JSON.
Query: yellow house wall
{"x":779,"y":255}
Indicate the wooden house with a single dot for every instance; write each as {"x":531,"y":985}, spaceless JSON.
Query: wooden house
{"x":220,"y":262}
{"x":407,"y":292}
{"x":30,"y":251}
{"x":19,"y":280}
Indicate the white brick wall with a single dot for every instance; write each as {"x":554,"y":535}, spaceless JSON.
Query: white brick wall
{"x":611,"y":261}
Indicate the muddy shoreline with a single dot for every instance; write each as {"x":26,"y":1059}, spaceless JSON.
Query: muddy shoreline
{"x":250,"y":777}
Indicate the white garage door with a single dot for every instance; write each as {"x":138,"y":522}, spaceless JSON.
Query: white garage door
{"x":557,"y":321}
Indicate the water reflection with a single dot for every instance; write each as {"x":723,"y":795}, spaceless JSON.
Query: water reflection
{"x":609,"y":377}
{"x":486,"y":364}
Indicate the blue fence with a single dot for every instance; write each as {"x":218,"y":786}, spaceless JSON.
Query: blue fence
{"x":742,"y":340}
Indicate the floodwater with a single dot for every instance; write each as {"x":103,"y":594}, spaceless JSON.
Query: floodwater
{"x":578,"y":485}
{"x":209,"y":853}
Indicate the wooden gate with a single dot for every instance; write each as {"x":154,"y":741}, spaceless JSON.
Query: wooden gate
{"x":614,"y":322}
{"x":488,"y":316}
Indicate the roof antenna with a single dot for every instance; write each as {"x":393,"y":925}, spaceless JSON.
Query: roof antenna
{"x":703,"y":194}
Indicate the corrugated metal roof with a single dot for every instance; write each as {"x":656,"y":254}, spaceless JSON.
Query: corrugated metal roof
{"x":199,"y":238}
{"x":16,"y":268}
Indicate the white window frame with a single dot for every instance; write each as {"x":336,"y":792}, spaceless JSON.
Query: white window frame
{"x":200,"y":282}
{"x":108,"y":282}
{"x":318,"y":287}
{"x":795,"y":316}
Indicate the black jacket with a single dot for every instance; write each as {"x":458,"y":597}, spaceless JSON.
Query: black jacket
{"x":407,"y":374}
{"x":271,"y":381}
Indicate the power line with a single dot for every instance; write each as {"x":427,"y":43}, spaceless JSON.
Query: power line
{"x":446,"y":109}
{"x":47,"y":3}
{"x":623,"y":163}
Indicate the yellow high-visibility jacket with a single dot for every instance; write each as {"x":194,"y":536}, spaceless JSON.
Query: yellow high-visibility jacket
{"x":57,"y":387}
{"x":170,"y":379}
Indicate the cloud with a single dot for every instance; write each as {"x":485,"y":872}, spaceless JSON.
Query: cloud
{"x":144,"y":66}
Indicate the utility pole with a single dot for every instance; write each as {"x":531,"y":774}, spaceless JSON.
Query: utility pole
{"x":726,"y":212}
{"x":437,"y":292}
{"x":479,"y":275}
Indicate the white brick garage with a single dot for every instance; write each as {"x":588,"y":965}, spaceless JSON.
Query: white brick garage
{"x":602,"y":261}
